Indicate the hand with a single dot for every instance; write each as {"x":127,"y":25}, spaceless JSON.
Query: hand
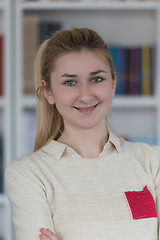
{"x":47,"y":234}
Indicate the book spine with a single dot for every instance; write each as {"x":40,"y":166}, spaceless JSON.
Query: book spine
{"x":133,"y":71}
{"x":139,"y":72}
{"x":120,"y":57}
{"x":30,"y":46}
{"x":123,"y":70}
{"x":153,"y":68}
{"x":146,"y":71}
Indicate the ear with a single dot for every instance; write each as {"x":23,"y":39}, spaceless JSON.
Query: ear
{"x":47,"y":93}
{"x":114,"y":83}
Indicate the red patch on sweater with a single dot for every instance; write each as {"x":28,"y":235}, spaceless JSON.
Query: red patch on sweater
{"x":142,"y":204}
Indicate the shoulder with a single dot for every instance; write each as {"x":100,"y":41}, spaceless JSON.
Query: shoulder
{"x":27,"y":165}
{"x":139,"y":148}
{"x":146,"y":155}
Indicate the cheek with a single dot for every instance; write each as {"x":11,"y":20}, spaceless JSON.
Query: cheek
{"x":106,"y":93}
{"x":63,"y":98}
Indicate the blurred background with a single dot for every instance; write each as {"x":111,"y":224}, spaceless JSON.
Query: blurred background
{"x":131,"y":30}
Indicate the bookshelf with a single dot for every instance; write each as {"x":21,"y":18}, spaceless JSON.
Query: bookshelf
{"x":135,"y":24}
{"x":5,"y":100}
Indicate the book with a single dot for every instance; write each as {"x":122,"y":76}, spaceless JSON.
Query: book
{"x":146,"y":70}
{"x":1,"y":65}
{"x":134,"y":71}
{"x":153,"y":68}
{"x":47,"y":29}
{"x":123,"y":70}
{"x":120,"y":57}
{"x":139,"y":72}
{"x":30,"y":47}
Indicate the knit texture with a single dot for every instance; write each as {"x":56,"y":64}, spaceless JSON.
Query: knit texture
{"x":85,"y":198}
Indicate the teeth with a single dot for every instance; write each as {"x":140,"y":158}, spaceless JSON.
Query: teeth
{"x":83,"y":109}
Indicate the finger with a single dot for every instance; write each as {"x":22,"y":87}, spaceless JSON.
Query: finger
{"x":44,"y":237}
{"x":48,"y":233}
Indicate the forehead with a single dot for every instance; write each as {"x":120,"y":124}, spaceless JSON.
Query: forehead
{"x":84,"y":58}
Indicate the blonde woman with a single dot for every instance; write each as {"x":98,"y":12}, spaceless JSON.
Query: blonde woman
{"x":82,"y":181}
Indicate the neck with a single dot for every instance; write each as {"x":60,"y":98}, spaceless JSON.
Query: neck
{"x":87,"y":142}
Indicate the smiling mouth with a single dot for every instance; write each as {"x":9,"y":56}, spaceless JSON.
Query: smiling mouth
{"x":87,"y":109}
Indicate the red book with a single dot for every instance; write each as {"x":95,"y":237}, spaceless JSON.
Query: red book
{"x":1,"y":65}
{"x":133,"y":72}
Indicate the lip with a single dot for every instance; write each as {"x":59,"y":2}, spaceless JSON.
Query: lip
{"x":87,"y":110}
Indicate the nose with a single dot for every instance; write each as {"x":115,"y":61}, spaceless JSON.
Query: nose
{"x":85,"y":93}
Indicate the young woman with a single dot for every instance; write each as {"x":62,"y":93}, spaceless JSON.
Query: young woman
{"x":82,"y":181}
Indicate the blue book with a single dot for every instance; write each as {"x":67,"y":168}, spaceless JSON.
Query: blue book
{"x":120,"y":57}
{"x":47,"y":29}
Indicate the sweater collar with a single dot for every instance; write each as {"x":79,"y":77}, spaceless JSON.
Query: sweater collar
{"x":57,"y":149}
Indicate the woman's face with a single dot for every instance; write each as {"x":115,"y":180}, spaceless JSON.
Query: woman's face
{"x":82,"y":89}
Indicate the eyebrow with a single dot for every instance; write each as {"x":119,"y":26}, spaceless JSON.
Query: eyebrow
{"x":69,"y":75}
{"x":91,"y":74}
{"x":99,"y":71}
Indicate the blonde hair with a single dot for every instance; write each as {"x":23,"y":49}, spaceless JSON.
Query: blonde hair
{"x":50,"y":122}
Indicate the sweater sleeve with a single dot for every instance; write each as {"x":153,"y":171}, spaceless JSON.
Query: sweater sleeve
{"x":30,"y":209}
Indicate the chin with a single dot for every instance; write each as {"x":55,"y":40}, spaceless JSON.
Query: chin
{"x":88,"y":125}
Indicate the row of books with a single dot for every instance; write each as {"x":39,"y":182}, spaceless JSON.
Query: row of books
{"x":133,"y":65}
{"x":135,"y":69}
{"x":1,"y":65}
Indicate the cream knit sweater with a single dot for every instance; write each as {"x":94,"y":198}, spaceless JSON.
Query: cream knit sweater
{"x":111,"y":197}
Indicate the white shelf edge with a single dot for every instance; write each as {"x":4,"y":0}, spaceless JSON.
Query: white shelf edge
{"x":118,"y":101}
{"x":118,"y":5}
{"x":135,"y":102}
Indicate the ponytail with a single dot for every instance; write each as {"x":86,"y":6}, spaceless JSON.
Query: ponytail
{"x":50,"y":123}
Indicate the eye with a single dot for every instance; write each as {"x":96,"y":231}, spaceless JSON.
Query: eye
{"x":97,"y":79}
{"x":70,"y":83}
